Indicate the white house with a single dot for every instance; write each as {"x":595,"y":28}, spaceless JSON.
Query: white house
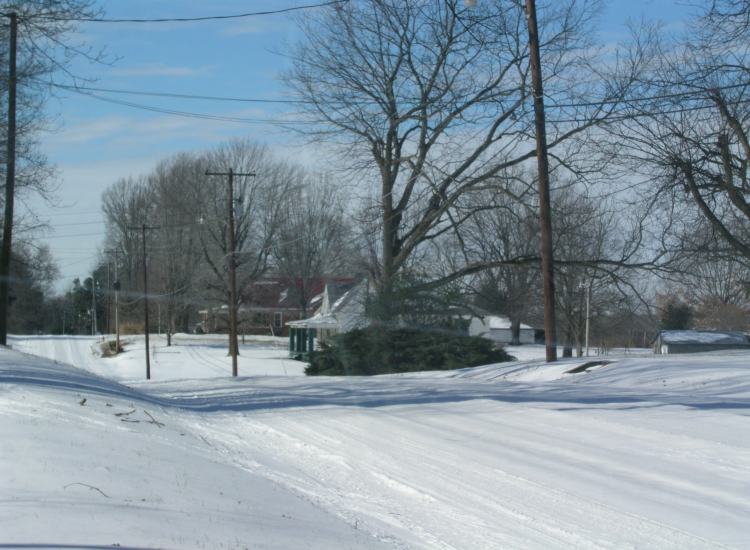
{"x":341,"y":310}
{"x":497,"y":328}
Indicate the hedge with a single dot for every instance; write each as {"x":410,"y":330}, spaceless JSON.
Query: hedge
{"x":382,"y":351}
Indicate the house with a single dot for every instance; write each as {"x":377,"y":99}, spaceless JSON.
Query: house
{"x":268,"y":304}
{"x":498,"y":329}
{"x":696,"y":341}
{"x":342,"y":309}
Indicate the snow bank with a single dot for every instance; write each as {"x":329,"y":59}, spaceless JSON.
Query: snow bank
{"x":89,"y":463}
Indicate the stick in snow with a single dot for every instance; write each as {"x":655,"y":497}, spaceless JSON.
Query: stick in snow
{"x":153,"y":420}
{"x":87,"y":485}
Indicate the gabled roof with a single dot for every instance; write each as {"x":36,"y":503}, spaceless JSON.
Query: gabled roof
{"x":713,"y":337}
{"x":345,"y":312}
{"x":501,"y":322}
{"x":281,"y":292}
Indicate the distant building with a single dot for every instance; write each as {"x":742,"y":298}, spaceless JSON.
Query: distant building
{"x":696,"y":341}
{"x":270,"y":303}
{"x":497,"y":328}
{"x":342,"y":308}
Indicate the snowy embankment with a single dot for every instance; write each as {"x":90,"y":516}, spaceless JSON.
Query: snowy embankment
{"x":640,"y":453}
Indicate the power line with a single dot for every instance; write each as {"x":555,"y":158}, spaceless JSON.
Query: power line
{"x":675,"y":95}
{"x":175,"y":95}
{"x":189,"y":19}
{"x":243,"y":120}
{"x":75,"y":235}
{"x":188,"y":114}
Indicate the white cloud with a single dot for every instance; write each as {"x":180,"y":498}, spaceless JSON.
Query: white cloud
{"x":245,"y":27}
{"x":159,"y":69}
{"x":88,"y":131}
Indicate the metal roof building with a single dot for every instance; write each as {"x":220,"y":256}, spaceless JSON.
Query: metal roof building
{"x":696,"y":341}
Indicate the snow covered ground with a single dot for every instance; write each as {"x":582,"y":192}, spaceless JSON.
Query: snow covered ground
{"x":191,"y":356}
{"x":645,"y":452}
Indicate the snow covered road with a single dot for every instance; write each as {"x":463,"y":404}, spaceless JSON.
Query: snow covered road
{"x":642,"y":453}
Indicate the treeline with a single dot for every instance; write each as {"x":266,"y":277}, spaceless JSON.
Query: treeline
{"x":426,"y":106}
{"x":287,"y":222}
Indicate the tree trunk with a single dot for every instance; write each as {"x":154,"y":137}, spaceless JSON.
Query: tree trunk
{"x":515,"y":332}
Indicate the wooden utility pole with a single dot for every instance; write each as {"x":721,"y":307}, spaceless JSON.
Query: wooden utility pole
{"x":10,"y":181}
{"x":143,"y":229}
{"x":93,"y":305}
{"x":231,"y":263}
{"x":145,"y":301}
{"x":545,"y":209}
{"x":116,"y":286}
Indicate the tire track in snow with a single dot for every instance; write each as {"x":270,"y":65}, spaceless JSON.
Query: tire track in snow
{"x":351,"y":490}
{"x":318,"y":461}
{"x":572,"y":470}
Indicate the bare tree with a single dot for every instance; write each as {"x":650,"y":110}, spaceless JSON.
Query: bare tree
{"x":127,"y":204}
{"x":430,"y":101}
{"x":689,"y":136}
{"x":260,"y":204}
{"x":47,"y":46}
{"x":314,"y":238}
{"x":178,"y":259}
{"x":503,"y":226}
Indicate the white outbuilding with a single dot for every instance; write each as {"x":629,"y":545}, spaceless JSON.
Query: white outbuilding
{"x":498,"y":329}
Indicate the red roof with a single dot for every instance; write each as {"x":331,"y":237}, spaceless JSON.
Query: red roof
{"x":282,"y":293}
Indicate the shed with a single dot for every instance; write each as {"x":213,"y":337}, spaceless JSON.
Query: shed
{"x":497,"y":328}
{"x":696,"y":341}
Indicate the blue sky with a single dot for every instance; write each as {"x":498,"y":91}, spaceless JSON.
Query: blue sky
{"x":96,"y":143}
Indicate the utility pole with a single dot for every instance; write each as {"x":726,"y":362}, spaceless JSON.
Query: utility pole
{"x":143,"y":229}
{"x":231,"y":263}
{"x":109,"y":302}
{"x":93,"y":305}
{"x":588,"y":316}
{"x":145,"y":301}
{"x":116,"y":286}
{"x":10,"y":181}
{"x":545,"y":209}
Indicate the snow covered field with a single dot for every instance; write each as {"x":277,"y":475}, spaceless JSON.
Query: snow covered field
{"x":192,"y":356}
{"x":645,"y":452}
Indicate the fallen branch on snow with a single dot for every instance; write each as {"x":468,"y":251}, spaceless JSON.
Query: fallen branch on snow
{"x":86,"y":485}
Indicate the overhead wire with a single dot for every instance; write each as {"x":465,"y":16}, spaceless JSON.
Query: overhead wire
{"x":187,"y":114}
{"x":287,"y":122}
{"x":174,"y":95}
{"x":551,"y":104}
{"x":52,"y":17}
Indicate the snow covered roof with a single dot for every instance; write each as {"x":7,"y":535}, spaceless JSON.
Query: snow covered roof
{"x":316,"y":321}
{"x":499,"y":322}
{"x":345,"y":314}
{"x":703,"y":337}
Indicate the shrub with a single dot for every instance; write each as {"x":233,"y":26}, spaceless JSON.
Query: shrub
{"x":381,"y":351}
{"x":131,"y":328}
{"x":109,"y":348}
